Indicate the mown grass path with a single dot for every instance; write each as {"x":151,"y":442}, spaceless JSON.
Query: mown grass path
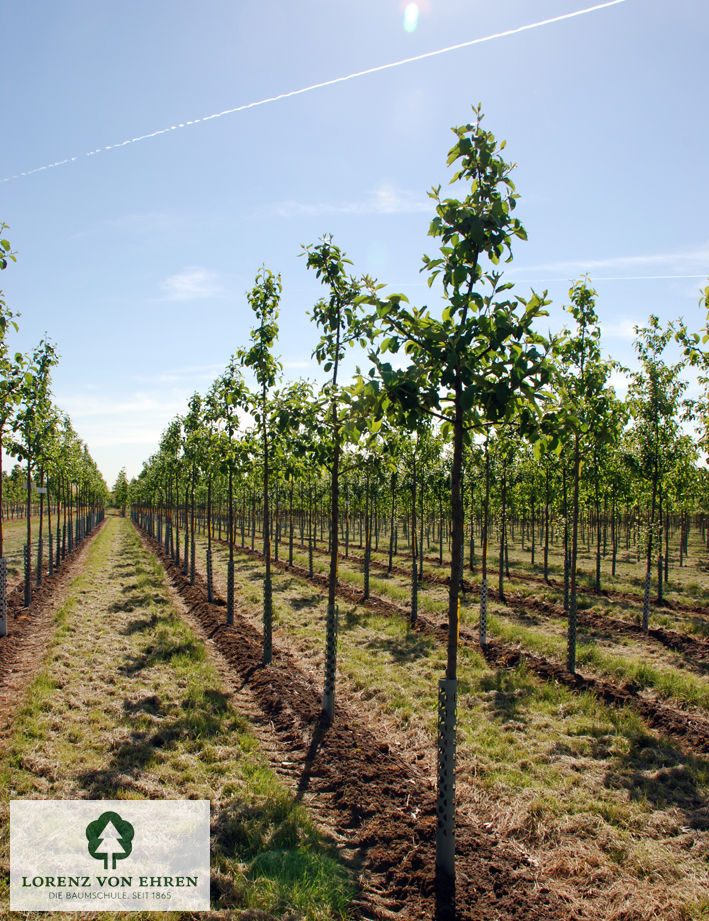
{"x":128,"y":705}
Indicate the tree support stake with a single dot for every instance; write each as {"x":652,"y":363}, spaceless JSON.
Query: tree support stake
{"x":328,"y":698}
{"x":445,"y":801}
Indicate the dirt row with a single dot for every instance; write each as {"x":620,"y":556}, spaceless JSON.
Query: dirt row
{"x":611,"y":594}
{"x":690,"y":729}
{"x":696,"y":647}
{"x":383,"y":805}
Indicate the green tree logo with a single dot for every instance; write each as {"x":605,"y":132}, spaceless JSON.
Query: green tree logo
{"x":110,"y":839}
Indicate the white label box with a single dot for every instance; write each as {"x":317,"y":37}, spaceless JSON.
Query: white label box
{"x":109,"y":855}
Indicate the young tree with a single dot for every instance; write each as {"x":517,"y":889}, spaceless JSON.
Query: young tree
{"x":33,"y":420}
{"x":209,"y":454}
{"x":586,"y":411}
{"x":228,"y":393}
{"x":467,"y":369}
{"x":120,"y":491}
{"x":192,"y":444}
{"x":11,"y":371}
{"x":264,"y":298}
{"x":297,"y":426}
{"x":340,"y":321}
{"x":655,"y":401}
{"x":170,"y":455}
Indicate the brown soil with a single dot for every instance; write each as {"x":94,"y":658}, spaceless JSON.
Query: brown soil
{"x":382,"y":804}
{"x":690,"y":729}
{"x":695,"y":647}
{"x":612,"y":594}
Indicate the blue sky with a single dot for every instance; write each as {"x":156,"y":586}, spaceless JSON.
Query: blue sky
{"x":136,"y":260}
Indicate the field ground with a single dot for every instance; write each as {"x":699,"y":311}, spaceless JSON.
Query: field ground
{"x":570,"y":806}
{"x":127,"y":704}
{"x":613,"y":814}
{"x":14,"y":539}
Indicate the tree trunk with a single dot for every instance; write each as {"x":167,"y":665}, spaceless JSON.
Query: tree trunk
{"x":503,"y":516}
{"x":391,"y":522}
{"x":571,"y":651}
{"x":267,"y":589}
{"x":546,"y":525}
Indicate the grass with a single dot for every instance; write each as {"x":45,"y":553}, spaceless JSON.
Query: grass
{"x":128,"y":705}
{"x":14,"y":538}
{"x":666,"y":676}
{"x":588,"y":790}
{"x":669,"y":683}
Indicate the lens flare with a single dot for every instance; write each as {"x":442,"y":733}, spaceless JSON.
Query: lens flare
{"x":411,"y":17}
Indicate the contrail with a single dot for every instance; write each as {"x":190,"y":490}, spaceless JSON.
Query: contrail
{"x":318,"y":86}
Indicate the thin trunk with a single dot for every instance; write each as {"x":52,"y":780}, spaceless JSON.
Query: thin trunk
{"x":328,"y":703}
{"x":546,"y":525}
{"x":210,"y":586}
{"x":40,"y":543}
{"x":1,"y":507}
{"x":367,"y":537}
{"x":651,"y":525}
{"x":230,"y":570}
{"x":503,"y":516}
{"x":484,"y":541}
{"x":28,"y":545}
{"x":267,"y":604}
{"x":290,"y":524}
{"x":391,"y":522}
{"x":566,"y":540}
{"x":414,"y":575}
{"x":659,"y":551}
{"x":598,"y":536}
{"x":571,"y":657}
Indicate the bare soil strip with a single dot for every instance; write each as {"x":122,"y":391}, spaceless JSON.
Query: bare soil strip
{"x":635,"y":598}
{"x":612,"y":594}
{"x":690,"y":729}
{"x":384,"y":805}
{"x":696,"y":647}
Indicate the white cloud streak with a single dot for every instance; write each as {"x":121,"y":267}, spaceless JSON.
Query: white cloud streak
{"x":191,"y":284}
{"x":621,"y":328}
{"x":316,"y":86}
{"x":178,"y":375}
{"x":386,"y":199}
{"x":686,"y":263}
{"x":138,"y":404}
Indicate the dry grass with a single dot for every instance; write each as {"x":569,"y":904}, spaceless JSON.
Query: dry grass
{"x":601,"y":652}
{"x":614,"y":816}
{"x":127,"y":705}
